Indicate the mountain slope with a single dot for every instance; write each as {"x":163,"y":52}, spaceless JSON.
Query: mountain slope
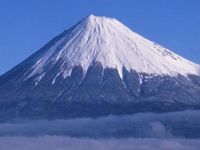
{"x":105,"y":40}
{"x":99,"y":67}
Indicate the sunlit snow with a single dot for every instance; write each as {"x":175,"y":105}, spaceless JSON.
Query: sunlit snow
{"x":109,"y":42}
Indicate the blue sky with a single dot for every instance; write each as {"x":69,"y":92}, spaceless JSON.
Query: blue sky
{"x":26,"y":25}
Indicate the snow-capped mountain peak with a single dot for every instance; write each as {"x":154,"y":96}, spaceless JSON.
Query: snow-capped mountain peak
{"x":109,"y":42}
{"x":99,"y":67}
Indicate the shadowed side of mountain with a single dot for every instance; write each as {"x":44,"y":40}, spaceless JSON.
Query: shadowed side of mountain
{"x":98,"y":93}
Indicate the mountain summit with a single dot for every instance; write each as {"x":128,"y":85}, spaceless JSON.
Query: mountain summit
{"x":100,"y":66}
{"x":113,"y":45}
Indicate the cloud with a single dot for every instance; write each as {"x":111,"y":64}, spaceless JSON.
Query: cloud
{"x":145,"y":131}
{"x":144,"y":125}
{"x":63,"y":143}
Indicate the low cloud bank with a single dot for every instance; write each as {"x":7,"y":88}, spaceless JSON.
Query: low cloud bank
{"x":63,"y":143}
{"x":144,"y":125}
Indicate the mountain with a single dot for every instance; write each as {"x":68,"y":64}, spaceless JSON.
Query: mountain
{"x":95,"y":68}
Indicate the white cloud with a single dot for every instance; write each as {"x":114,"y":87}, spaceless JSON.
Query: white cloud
{"x":145,"y":131}
{"x":166,"y":125}
{"x":67,"y":143}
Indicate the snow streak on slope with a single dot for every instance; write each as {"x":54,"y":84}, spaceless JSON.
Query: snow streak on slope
{"x":109,"y":42}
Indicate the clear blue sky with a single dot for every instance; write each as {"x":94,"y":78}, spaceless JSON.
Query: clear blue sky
{"x":26,"y":25}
